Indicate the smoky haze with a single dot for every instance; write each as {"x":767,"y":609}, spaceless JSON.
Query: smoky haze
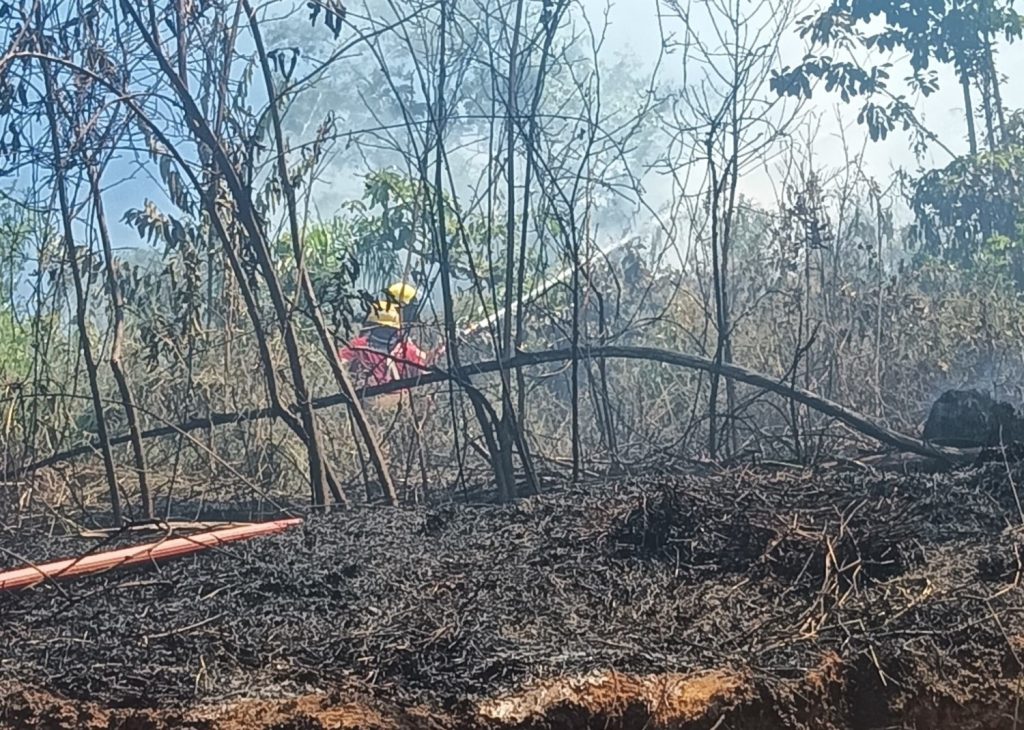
{"x":511,"y":364}
{"x":709,"y":230}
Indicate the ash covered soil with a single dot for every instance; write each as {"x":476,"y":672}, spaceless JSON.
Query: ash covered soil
{"x":749,"y":598}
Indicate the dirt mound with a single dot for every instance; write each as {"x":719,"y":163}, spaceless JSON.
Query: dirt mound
{"x":29,"y":708}
{"x":655,"y":701}
{"x":828,"y":696}
{"x":803,"y":595}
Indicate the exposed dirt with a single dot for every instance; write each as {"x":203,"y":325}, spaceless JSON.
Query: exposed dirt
{"x":606,"y":700}
{"x":746,"y":599}
{"x":28,"y":708}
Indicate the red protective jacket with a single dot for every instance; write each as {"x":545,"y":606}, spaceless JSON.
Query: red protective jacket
{"x":371,"y":366}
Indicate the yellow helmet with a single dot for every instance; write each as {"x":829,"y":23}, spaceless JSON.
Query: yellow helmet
{"x":403,"y":294}
{"x":384,"y":314}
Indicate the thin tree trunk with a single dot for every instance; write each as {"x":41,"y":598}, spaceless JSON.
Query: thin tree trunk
{"x":986,"y":104}
{"x":485,"y":416}
{"x":182,"y":41}
{"x":117,"y":343}
{"x":211,"y":205}
{"x":511,"y":113}
{"x":321,"y":476}
{"x":331,"y":351}
{"x":606,"y":400}
{"x":226,"y":296}
{"x":531,"y":141}
{"x":972,"y":133}
{"x":553,"y":19}
{"x":81,"y":313}
{"x":716,"y":274}
{"x":997,"y":94}
{"x":730,"y":219}
{"x":880,"y":304}
{"x":508,"y":421}
{"x":733,"y":172}
{"x":573,"y":245}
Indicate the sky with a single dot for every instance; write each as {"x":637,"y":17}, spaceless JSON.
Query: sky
{"x":634,"y":32}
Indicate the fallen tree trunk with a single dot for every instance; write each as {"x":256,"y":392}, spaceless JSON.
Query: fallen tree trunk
{"x":851,"y":418}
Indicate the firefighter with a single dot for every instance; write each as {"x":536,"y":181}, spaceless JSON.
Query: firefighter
{"x":383,"y":351}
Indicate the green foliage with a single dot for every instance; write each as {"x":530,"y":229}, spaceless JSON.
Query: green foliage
{"x":390,"y":233}
{"x":331,"y":266}
{"x":392,"y":218}
{"x":959,"y":32}
{"x":1004,"y":256}
{"x":15,"y":357}
{"x":395,"y":224}
{"x":973,"y":208}
{"x":15,"y":229}
{"x":166,"y":299}
{"x":15,"y":351}
{"x":370,"y":239}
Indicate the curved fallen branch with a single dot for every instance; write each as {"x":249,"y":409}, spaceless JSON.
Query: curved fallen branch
{"x":851,"y":418}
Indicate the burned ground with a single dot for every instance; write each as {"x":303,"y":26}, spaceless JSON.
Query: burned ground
{"x":838,"y":599}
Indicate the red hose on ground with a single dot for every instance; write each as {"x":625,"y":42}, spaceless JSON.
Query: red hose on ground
{"x":150,"y":552}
